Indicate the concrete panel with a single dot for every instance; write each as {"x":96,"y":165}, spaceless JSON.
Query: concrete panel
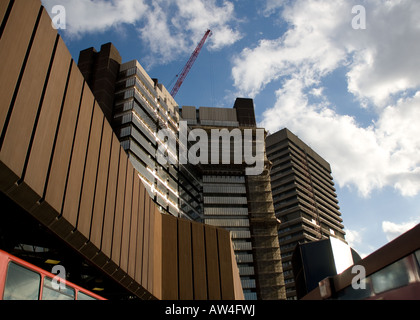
{"x":22,"y":120}
{"x":54,"y":193}
{"x":91,"y":170}
{"x":125,"y":244}
{"x":78,"y":159}
{"x":39,"y":158}
{"x":12,"y":52}
{"x":212,"y":256}
{"x":186,"y":291}
{"x":225,"y":265}
{"x":119,"y":209}
{"x":101,"y":186}
{"x":199,"y":261}
{"x":169,"y":258}
{"x":106,"y":238}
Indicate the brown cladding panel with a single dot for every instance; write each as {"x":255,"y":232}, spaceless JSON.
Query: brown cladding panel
{"x":14,"y":44}
{"x":140,"y":232}
{"x":119,"y":209}
{"x":125,"y":238}
{"x":212,"y":255}
{"x":169,"y":258}
{"x":19,"y":131}
{"x":3,"y":8}
{"x":101,"y":186}
{"x":150,"y":268}
{"x":186,"y":291}
{"x":116,"y":154}
{"x":199,"y":261}
{"x":225,"y":262}
{"x":89,"y":181}
{"x":157,"y":255}
{"x":133,"y":227}
{"x":78,"y":158}
{"x":146,"y":235}
{"x":39,"y":159}
{"x":62,"y":153}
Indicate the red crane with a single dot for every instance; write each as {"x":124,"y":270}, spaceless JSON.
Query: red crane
{"x":189,"y":64}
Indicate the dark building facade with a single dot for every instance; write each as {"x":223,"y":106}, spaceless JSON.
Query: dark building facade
{"x":69,"y":189}
{"x":304,"y":197}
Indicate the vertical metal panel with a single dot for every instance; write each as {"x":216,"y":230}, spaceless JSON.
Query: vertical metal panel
{"x":169,"y":258}
{"x":133,"y":227}
{"x":54,"y":194}
{"x":146,"y":232}
{"x":125,"y":244}
{"x":140,"y":232}
{"x":213,"y":279}
{"x":157,"y":255}
{"x":14,"y":44}
{"x":101,"y":186}
{"x":150,"y":266}
{"x":78,"y":158}
{"x":119,"y":209}
{"x":3,"y":8}
{"x":186,"y":291}
{"x":39,"y":158}
{"x":199,"y":261}
{"x":116,"y":154}
{"x":225,"y":262}
{"x":89,"y":180}
{"x":18,"y":135}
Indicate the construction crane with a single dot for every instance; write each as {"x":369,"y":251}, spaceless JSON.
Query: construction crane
{"x":189,"y":64}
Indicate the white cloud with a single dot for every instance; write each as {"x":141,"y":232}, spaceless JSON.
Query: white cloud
{"x":382,"y":63}
{"x":168,"y":28}
{"x":88,"y":16}
{"x":393,"y":230}
{"x":355,"y":239}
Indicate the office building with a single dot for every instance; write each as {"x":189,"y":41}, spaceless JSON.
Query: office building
{"x":241,"y":203}
{"x":304,"y":197}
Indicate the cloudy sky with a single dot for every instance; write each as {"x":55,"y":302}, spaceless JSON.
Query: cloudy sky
{"x":343,"y":75}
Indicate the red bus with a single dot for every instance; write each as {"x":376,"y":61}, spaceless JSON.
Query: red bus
{"x":20,"y":280}
{"x":391,"y":273}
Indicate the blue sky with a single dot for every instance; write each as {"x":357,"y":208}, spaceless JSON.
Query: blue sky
{"x":352,"y":94}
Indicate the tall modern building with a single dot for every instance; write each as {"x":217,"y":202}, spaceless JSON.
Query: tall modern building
{"x":304,"y":198}
{"x":239,"y":202}
{"x":217,"y":194}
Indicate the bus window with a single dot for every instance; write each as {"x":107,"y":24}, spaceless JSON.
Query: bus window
{"x":418,"y":257}
{"x":51,"y":293}
{"x":84,"y":296}
{"x":21,"y":283}
{"x":391,"y":277}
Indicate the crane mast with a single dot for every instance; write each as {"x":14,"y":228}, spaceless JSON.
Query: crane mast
{"x":189,"y":64}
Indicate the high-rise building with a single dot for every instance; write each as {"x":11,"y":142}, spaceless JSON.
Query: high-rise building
{"x":304,"y":197}
{"x":218,"y":194}
{"x":239,"y":202}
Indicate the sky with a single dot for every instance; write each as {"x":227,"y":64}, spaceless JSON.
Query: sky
{"x":342,"y":75}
